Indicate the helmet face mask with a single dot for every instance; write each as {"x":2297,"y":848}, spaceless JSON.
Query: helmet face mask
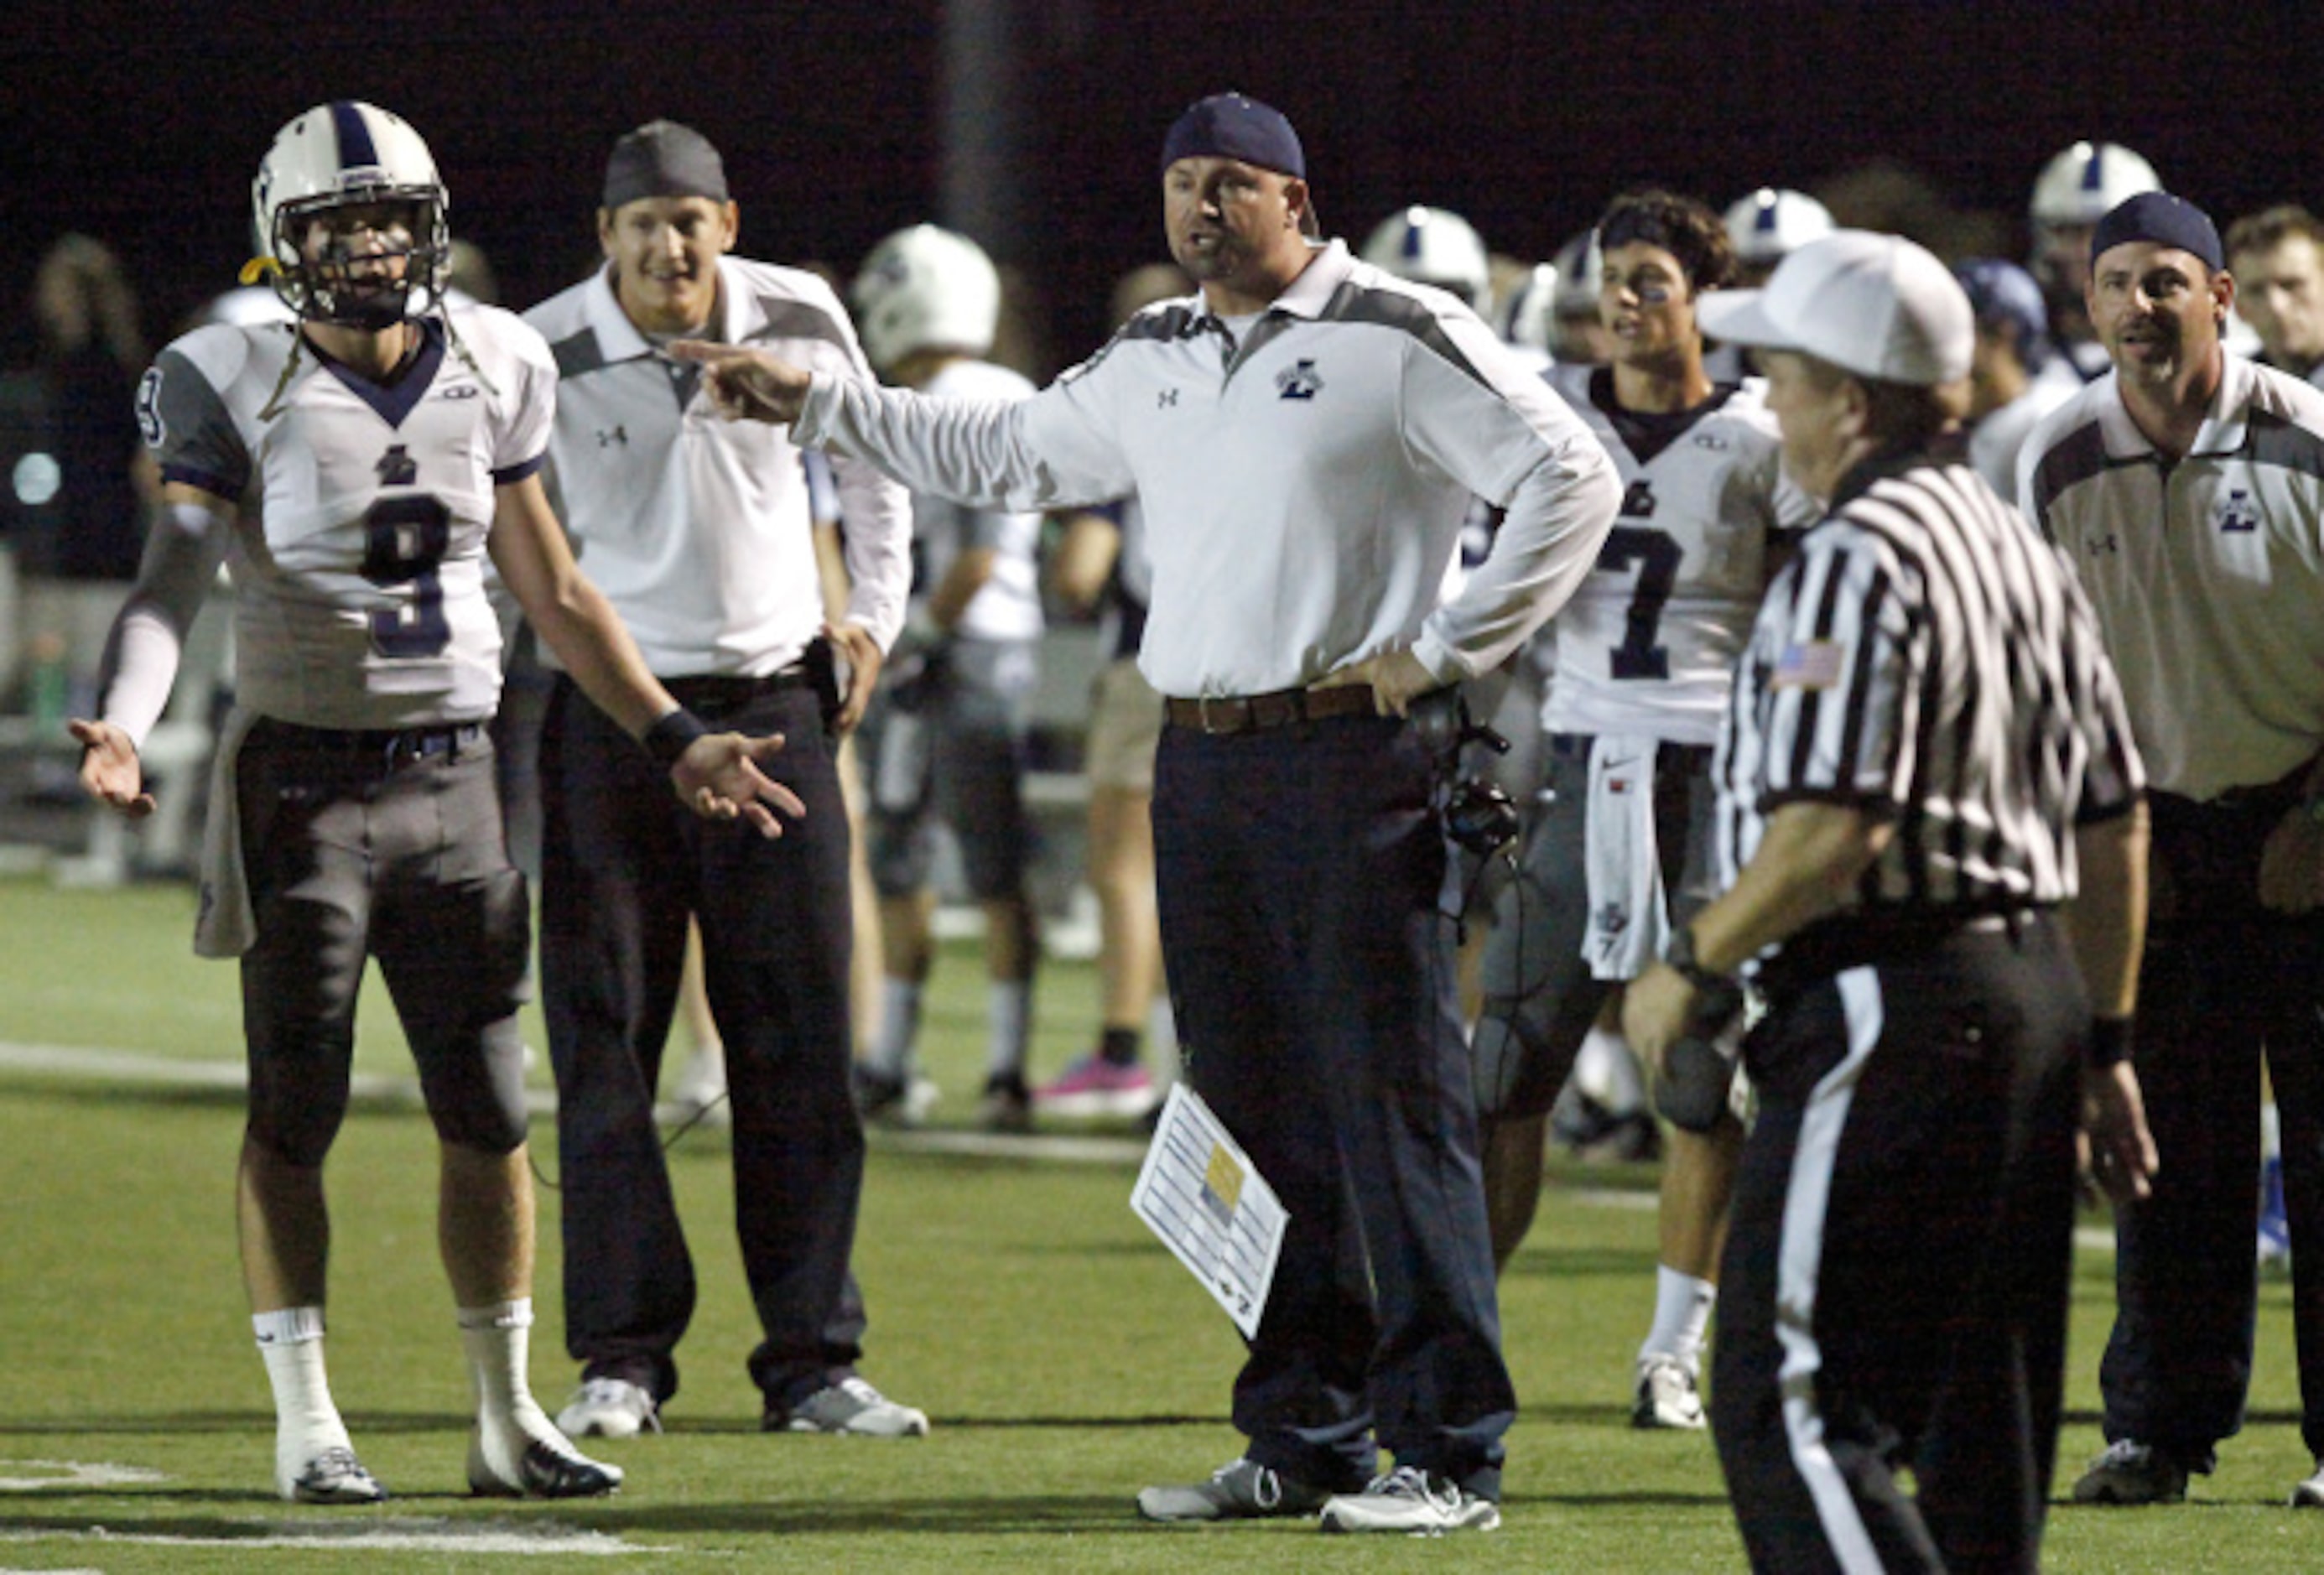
{"x":350,"y":170}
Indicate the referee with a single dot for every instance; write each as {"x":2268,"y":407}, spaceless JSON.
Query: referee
{"x":1924,"y":745}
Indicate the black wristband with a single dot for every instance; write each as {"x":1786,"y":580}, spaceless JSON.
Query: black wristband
{"x":1717,"y":996}
{"x":669,"y":737}
{"x":2109,"y":1044}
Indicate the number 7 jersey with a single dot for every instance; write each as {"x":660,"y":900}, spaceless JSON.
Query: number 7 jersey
{"x":359,"y":577}
{"x":1648,"y":645}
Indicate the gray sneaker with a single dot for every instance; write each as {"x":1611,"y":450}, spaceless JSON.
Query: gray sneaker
{"x":2130,"y":1472}
{"x":849,"y":1406}
{"x":1407,"y":1499}
{"x":609,"y":1408}
{"x":1241,"y":1490}
{"x":333,"y":1476}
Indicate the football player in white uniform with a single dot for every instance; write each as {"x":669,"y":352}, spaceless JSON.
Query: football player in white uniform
{"x":1645,"y":657}
{"x":2076,"y":189}
{"x":353,"y":811}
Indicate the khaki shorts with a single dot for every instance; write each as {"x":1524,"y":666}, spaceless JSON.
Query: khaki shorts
{"x":1125,"y":725}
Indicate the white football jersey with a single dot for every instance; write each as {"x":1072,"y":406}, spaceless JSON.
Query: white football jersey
{"x":1648,"y":645}
{"x":1008,"y":606}
{"x":360,"y":577}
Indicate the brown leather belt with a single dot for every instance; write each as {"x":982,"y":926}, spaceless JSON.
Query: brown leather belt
{"x":1231,"y":713}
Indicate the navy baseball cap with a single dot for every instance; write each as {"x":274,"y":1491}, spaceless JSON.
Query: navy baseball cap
{"x":2164,"y":219}
{"x":2002,"y":293}
{"x":1229,"y":125}
{"x":663,"y":159}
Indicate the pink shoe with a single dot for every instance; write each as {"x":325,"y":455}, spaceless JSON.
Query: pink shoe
{"x":1094,"y":1086}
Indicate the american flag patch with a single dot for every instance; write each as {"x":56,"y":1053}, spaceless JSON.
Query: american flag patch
{"x":1814,"y":665}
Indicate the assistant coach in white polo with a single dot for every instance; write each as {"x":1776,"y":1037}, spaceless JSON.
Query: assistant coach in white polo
{"x":1306,"y":434}
{"x":1925,"y":754}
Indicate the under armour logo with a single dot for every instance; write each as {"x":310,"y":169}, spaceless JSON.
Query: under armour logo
{"x":1167,"y":399}
{"x":2107,"y":543}
{"x":396,"y":468}
{"x":2239,"y":514}
{"x":1299,"y":382}
{"x":620,"y":435}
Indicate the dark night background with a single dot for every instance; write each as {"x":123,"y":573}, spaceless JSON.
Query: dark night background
{"x":142,"y":125}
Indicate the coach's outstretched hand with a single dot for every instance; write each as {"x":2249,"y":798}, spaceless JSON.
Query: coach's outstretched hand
{"x":748,"y":384}
{"x":109,"y":770}
{"x":718,"y":777}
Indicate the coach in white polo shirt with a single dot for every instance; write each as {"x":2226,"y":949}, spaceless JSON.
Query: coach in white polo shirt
{"x":699,"y":532}
{"x":1304,"y":435}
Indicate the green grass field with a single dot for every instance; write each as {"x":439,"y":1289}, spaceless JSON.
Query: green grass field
{"x":1066,"y":1357}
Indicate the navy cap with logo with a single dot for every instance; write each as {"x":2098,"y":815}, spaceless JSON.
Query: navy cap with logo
{"x":1230,"y":126}
{"x":663,"y":159}
{"x":2164,"y":219}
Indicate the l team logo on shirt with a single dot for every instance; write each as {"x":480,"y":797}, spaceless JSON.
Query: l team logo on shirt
{"x":2236,"y":514}
{"x":1299,"y":382}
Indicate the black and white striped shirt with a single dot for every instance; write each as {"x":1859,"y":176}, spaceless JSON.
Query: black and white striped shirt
{"x":1928,"y":657}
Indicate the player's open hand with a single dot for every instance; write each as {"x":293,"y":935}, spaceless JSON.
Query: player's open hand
{"x":747,"y":384}
{"x":109,"y":768}
{"x":719,"y":778}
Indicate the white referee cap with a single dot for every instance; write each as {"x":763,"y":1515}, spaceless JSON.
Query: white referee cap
{"x":1877,"y":306}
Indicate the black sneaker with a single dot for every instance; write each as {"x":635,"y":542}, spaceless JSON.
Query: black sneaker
{"x":1008,"y":1105}
{"x":1241,"y":1489}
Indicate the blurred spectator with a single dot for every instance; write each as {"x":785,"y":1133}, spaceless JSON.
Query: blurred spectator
{"x":88,"y":355}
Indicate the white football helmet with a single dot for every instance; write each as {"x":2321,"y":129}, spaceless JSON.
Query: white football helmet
{"x":340,"y":155}
{"x":1523,"y":317}
{"x":1772,"y":223}
{"x":1430,"y":245}
{"x":926,"y":289}
{"x":1580,"y":268}
{"x":2082,"y":184}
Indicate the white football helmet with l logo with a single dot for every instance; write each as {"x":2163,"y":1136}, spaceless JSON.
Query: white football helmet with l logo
{"x":344,"y":154}
{"x":1432,"y":245}
{"x":925,"y":288}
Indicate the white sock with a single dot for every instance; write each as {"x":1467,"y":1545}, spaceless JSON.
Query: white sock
{"x":899,"y":1026}
{"x":1682,"y":1306}
{"x":2271,"y":1133}
{"x":498,"y":1343}
{"x":1607,"y":1070}
{"x":1162,"y":1039}
{"x":305,"y":1421}
{"x":1008,"y":1018}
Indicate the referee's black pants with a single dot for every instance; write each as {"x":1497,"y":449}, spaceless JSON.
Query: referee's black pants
{"x":1894,"y":1292}
{"x":624,"y":865}
{"x":1300,"y":870}
{"x":2223,"y":981}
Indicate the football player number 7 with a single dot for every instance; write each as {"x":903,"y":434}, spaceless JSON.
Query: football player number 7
{"x":404,"y":542}
{"x":1657,"y":556}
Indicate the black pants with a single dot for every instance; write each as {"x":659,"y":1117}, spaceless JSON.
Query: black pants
{"x":2223,"y":979}
{"x":1895,"y":1287}
{"x":1300,"y":871}
{"x":624,"y":864}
